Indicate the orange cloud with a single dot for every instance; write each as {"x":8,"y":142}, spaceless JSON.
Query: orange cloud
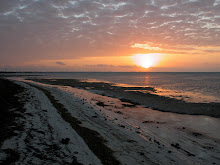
{"x":145,"y":46}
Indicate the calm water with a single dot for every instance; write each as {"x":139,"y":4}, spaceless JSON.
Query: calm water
{"x":193,"y":87}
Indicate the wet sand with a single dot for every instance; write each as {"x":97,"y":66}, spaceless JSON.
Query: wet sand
{"x":153,"y":101}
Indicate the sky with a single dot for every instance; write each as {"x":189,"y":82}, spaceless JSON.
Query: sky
{"x":110,"y":35}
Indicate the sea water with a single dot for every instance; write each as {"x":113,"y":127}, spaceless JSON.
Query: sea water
{"x":191,"y":87}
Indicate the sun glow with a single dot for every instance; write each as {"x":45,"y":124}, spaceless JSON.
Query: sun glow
{"x":147,"y":60}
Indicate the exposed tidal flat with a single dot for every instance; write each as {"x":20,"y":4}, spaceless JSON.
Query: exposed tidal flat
{"x":72,"y":121}
{"x":149,"y":98}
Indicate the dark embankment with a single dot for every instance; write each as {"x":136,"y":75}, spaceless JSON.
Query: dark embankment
{"x":93,"y":139}
{"x":153,"y":101}
{"x":9,"y":106}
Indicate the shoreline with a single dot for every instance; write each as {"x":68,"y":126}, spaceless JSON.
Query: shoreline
{"x":148,"y":100}
{"x":134,"y":134}
{"x":165,"y":84}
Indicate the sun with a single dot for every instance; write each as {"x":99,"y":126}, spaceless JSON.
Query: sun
{"x":147,"y":60}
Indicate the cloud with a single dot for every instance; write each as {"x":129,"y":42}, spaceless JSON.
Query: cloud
{"x":99,"y":65}
{"x":212,"y":51}
{"x":145,"y":46}
{"x":60,"y":63}
{"x":50,"y":30}
{"x":111,"y":66}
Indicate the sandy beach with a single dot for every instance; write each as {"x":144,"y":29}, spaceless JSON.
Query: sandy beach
{"x":67,"y":121}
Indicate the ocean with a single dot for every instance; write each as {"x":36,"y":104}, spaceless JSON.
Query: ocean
{"x":190,"y":86}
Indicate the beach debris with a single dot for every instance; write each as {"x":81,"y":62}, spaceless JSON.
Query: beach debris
{"x":147,"y":122}
{"x":189,"y":154}
{"x":176,"y":145}
{"x":208,"y":147}
{"x":196,"y":134}
{"x":121,"y":125}
{"x":65,"y":141}
{"x":141,"y":153}
{"x":155,"y":141}
{"x":161,"y":122}
{"x":119,"y":112}
{"x":102,"y":104}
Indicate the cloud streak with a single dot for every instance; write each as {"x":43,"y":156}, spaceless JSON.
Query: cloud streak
{"x":60,"y":63}
{"x":145,"y":46}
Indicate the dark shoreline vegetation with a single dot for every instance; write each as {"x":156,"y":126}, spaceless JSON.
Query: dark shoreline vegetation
{"x":93,"y":139}
{"x":153,"y":101}
{"x":10,"y":105}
